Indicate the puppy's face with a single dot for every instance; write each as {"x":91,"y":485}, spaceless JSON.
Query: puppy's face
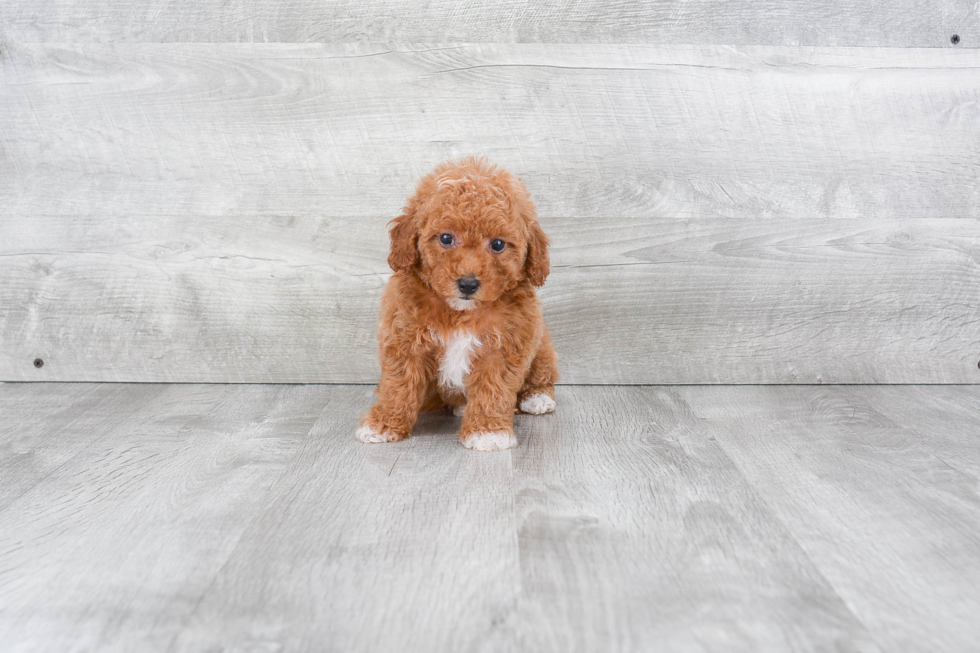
{"x":471,"y":234}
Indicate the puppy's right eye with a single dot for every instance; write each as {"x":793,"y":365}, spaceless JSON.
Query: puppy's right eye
{"x":446,"y":239}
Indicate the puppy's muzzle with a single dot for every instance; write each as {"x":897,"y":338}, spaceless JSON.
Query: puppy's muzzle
{"x":468,"y":286}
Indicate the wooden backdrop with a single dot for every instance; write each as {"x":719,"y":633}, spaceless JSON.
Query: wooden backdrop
{"x":738,"y":192}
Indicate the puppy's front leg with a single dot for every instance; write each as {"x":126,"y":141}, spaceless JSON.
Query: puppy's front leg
{"x":404,"y":379}
{"x":491,"y":394}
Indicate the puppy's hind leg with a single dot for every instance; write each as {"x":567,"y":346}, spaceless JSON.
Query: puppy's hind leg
{"x":454,"y":401}
{"x":433,"y":400}
{"x":537,"y":395}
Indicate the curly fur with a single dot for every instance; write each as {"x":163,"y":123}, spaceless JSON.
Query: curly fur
{"x":493,"y":347}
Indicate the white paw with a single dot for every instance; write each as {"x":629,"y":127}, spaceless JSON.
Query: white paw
{"x":490,"y":441}
{"x":368,"y":434}
{"x":538,"y":404}
{"x":458,"y":410}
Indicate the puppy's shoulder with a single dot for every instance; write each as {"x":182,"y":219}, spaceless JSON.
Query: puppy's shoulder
{"x":523,"y":302}
{"x":519,"y":313}
{"x":403,"y":285}
{"x":404,"y":300}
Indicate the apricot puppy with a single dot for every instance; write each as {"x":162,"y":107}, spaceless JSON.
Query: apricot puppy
{"x":460,"y":324}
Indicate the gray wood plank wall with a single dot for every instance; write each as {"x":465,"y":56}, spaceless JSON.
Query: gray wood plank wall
{"x":720,"y":213}
{"x":630,"y":300}
{"x":737,"y":22}
{"x":597,"y":131}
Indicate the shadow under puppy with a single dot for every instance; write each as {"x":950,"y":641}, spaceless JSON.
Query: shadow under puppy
{"x":460,"y":324}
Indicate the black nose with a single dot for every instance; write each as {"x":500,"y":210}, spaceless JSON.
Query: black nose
{"x":468,"y":285}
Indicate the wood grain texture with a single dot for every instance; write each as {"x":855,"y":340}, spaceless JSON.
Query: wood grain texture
{"x":295,"y":299}
{"x":639,"y":534}
{"x":111,"y":549}
{"x":686,"y":519}
{"x":870,"y":497}
{"x":767,"y":22}
{"x":942,"y":428}
{"x":595,"y":130}
{"x":411,"y":547}
{"x":40,"y":427}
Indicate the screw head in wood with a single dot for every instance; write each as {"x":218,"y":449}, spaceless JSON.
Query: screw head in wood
{"x":954,"y":39}
{"x":38,"y":363}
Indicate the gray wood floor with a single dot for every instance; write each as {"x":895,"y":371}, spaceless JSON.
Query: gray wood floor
{"x":246,"y":518}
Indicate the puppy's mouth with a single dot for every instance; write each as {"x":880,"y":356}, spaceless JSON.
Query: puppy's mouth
{"x":460,"y":304}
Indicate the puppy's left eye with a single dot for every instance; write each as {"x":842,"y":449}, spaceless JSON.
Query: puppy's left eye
{"x":446,"y":239}
{"x":497,"y":245}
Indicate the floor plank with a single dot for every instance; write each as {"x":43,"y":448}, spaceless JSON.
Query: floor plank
{"x":893,"y":527}
{"x":940,"y":425}
{"x":113,"y":549}
{"x":404,"y":547}
{"x":638,"y":533}
{"x":45,"y":425}
{"x":196,"y":517}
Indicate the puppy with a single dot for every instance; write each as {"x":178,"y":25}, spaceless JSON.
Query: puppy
{"x":460,"y":324}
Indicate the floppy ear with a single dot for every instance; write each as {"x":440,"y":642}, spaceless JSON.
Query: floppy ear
{"x":537,"y":265}
{"x":404,"y":234}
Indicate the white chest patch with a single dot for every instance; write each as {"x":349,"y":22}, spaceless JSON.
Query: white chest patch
{"x":455,"y":363}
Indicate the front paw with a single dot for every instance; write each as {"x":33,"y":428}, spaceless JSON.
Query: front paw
{"x":369,"y":434}
{"x":489,"y":440}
